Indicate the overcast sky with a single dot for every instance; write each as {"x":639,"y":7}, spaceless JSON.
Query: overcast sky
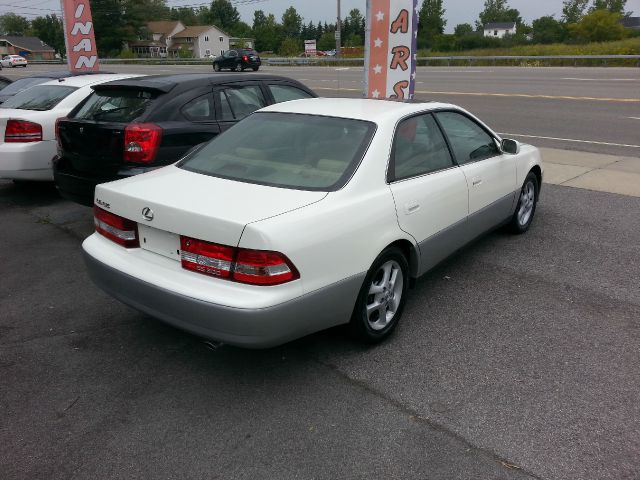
{"x":457,"y":11}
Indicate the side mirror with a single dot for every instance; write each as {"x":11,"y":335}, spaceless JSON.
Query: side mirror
{"x":510,"y":146}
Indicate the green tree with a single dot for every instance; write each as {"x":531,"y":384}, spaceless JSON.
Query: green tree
{"x":291,"y":23}
{"x":498,"y":11}
{"x":137,"y":13}
{"x":223,"y":14}
{"x":110,"y":26}
{"x":353,"y":32}
{"x":266,"y":31}
{"x":12,"y":24}
{"x":613,"y":6}
{"x":463,"y":29}
{"x":290,"y":47}
{"x":598,"y":26}
{"x":187,"y":16}
{"x":49,"y":29}
{"x":431,"y":22}
{"x":327,"y":41}
{"x":547,"y":30}
{"x":573,"y":10}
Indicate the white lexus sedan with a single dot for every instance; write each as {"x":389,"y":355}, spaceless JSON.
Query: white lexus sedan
{"x":28,"y":119}
{"x":306,"y":215}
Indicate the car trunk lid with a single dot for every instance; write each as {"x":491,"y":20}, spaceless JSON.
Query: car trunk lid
{"x":94,"y":147}
{"x":196,"y":205}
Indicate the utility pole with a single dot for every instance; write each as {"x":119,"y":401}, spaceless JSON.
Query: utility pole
{"x":338,"y":30}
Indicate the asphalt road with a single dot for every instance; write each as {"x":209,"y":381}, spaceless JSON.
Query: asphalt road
{"x":585,"y":109}
{"x":518,"y":358}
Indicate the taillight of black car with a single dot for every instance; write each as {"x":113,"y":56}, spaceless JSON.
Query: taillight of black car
{"x":141,"y":142}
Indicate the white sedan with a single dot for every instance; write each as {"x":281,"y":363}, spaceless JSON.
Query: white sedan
{"x":13,"y":61}
{"x":27,"y":124}
{"x":306,"y":215}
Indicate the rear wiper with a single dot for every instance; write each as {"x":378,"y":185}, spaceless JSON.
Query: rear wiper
{"x":106,"y":112}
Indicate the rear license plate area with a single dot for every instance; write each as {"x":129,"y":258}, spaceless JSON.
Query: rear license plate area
{"x":161,"y":242}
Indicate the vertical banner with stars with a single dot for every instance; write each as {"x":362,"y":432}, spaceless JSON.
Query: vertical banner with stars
{"x":391,"y":49}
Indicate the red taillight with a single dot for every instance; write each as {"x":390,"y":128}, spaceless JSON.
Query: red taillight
{"x":263,"y":268}
{"x":254,"y":267}
{"x":58,"y":140}
{"x":245,"y":58}
{"x":22,"y":131}
{"x":120,"y":230}
{"x":141,"y":142}
{"x":205,"y":257}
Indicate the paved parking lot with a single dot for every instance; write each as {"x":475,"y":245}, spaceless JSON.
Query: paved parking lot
{"x":518,"y":358}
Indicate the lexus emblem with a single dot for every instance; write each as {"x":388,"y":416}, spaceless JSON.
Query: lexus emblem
{"x":147,"y":214}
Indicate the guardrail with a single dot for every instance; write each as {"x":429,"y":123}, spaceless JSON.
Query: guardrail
{"x":474,"y":60}
{"x":454,"y":60}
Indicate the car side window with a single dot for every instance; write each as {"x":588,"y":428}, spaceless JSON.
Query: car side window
{"x":238,"y":102}
{"x":469,"y":141}
{"x":418,"y":148}
{"x":199,"y":109}
{"x":284,"y":93}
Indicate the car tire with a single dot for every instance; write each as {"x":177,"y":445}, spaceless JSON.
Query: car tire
{"x":239,"y":67}
{"x":216,"y":67}
{"x":526,"y":208}
{"x":255,"y":69}
{"x":383,"y":292}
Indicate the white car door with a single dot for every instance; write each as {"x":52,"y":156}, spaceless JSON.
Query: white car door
{"x":491,"y":176}
{"x":429,"y":190}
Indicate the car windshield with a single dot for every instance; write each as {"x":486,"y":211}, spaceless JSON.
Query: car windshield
{"x":40,"y":97}
{"x":22,"y":84}
{"x":121,"y":105}
{"x":304,"y":152}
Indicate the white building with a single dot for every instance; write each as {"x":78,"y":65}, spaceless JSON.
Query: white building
{"x":159,"y":39}
{"x":201,"y":41}
{"x":499,"y":30}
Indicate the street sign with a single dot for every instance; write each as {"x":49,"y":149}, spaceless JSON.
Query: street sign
{"x":391,"y":48}
{"x":310,"y":47}
{"x":79,"y":37}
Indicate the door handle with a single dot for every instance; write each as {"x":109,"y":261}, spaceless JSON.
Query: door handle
{"x":476,"y":181}
{"x":412,"y":207}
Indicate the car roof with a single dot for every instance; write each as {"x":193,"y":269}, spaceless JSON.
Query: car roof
{"x":185,"y":81}
{"x":356,"y":108}
{"x":62,"y":74}
{"x":84,"y":80}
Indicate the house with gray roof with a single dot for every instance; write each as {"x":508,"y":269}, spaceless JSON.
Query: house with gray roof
{"x":31,"y":48}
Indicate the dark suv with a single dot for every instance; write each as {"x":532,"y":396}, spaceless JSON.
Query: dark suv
{"x":238,"y":60}
{"x":127,"y":127}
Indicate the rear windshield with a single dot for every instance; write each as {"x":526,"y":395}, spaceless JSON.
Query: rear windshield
{"x":249,"y":52}
{"x":304,"y":152}
{"x":40,"y":97}
{"x":22,"y":84}
{"x":123,"y":105}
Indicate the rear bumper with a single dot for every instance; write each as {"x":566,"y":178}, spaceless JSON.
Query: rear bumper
{"x":27,"y":161}
{"x":79,"y":187}
{"x":244,"y":327}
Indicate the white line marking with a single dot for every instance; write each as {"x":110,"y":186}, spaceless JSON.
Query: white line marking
{"x":342,"y":68}
{"x":602,"y":79}
{"x":570,"y":140}
{"x":634,"y":118}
